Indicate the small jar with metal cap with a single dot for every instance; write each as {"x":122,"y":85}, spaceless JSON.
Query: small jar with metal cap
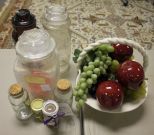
{"x":63,"y":93}
{"x":19,"y":100}
{"x":36,"y":106}
{"x":50,"y":111}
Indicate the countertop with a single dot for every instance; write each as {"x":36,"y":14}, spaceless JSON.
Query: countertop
{"x":136,"y":122}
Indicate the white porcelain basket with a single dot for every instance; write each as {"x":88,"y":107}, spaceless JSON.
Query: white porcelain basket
{"x":127,"y":106}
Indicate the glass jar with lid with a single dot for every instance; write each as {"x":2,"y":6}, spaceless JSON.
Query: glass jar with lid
{"x":20,"y":102}
{"x":21,"y":21}
{"x":36,"y":107}
{"x":36,"y":67}
{"x":63,"y":92}
{"x":50,"y":111}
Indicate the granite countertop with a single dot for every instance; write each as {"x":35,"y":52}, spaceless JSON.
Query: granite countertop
{"x":92,"y":20}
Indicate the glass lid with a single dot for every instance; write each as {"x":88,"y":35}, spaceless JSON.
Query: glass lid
{"x":35,"y":44}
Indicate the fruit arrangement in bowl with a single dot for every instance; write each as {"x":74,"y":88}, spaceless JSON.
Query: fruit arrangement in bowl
{"x":109,"y":78}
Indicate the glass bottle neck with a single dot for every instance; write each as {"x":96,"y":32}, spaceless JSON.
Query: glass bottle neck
{"x":56,"y":15}
{"x":64,"y":91}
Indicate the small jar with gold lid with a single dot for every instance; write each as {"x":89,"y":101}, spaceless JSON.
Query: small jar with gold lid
{"x":36,"y":106}
{"x":20,"y":102}
{"x":63,"y":93}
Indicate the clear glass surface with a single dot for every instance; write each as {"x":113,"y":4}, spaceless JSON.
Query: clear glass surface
{"x":37,"y":65}
{"x":21,"y":105}
{"x":56,"y":21}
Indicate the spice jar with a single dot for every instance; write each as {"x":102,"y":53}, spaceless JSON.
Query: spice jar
{"x":23,"y":20}
{"x":19,"y":100}
{"x":37,"y":67}
{"x":50,"y":110}
{"x":63,"y":93}
{"x":36,"y":106}
{"x":56,"y":21}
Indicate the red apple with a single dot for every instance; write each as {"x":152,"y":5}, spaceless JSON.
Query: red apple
{"x":122,"y":52}
{"x":110,"y":94}
{"x":130,"y":74}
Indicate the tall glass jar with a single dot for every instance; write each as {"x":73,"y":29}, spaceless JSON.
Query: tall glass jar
{"x":56,"y":21}
{"x":19,"y":100}
{"x":37,"y":67}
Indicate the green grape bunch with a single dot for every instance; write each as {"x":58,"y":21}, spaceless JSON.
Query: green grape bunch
{"x":95,"y":63}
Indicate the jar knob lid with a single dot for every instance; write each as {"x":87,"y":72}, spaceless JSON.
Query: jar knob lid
{"x":35,"y":44}
{"x":23,"y":17}
{"x":50,"y":108}
{"x":23,"y":14}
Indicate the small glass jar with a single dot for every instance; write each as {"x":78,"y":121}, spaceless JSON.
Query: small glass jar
{"x":20,"y":102}
{"x":36,"y":106}
{"x":37,"y":66}
{"x":50,"y":111}
{"x":63,"y":93}
{"x":57,"y":22}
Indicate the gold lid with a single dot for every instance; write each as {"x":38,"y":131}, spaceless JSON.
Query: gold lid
{"x":16,"y":90}
{"x":37,"y":104}
{"x":63,"y":84}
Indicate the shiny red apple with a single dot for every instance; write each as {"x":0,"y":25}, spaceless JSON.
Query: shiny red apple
{"x":130,"y":74}
{"x":110,"y":94}
{"x":122,"y":52}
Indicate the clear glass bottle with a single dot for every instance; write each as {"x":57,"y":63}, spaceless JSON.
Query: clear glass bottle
{"x":63,"y":93}
{"x":56,"y":21}
{"x":20,"y":102}
{"x":37,"y":67}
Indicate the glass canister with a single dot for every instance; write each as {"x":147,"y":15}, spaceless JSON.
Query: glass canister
{"x":37,"y":67}
{"x":20,"y":102}
{"x":56,"y":21}
{"x":23,"y":20}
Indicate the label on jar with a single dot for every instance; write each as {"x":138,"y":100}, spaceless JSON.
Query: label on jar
{"x":45,"y":87}
{"x":65,"y":108}
{"x":39,"y":83}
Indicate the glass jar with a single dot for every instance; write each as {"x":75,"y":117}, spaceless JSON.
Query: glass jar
{"x":56,"y":21}
{"x":36,"y":106}
{"x":37,"y":67}
{"x":50,"y":111}
{"x":63,"y":93}
{"x":20,"y":102}
{"x":23,"y":20}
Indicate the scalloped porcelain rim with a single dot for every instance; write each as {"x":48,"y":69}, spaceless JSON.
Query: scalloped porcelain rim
{"x":125,"y":107}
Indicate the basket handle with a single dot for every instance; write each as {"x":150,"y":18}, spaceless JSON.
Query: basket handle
{"x":115,"y":41}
